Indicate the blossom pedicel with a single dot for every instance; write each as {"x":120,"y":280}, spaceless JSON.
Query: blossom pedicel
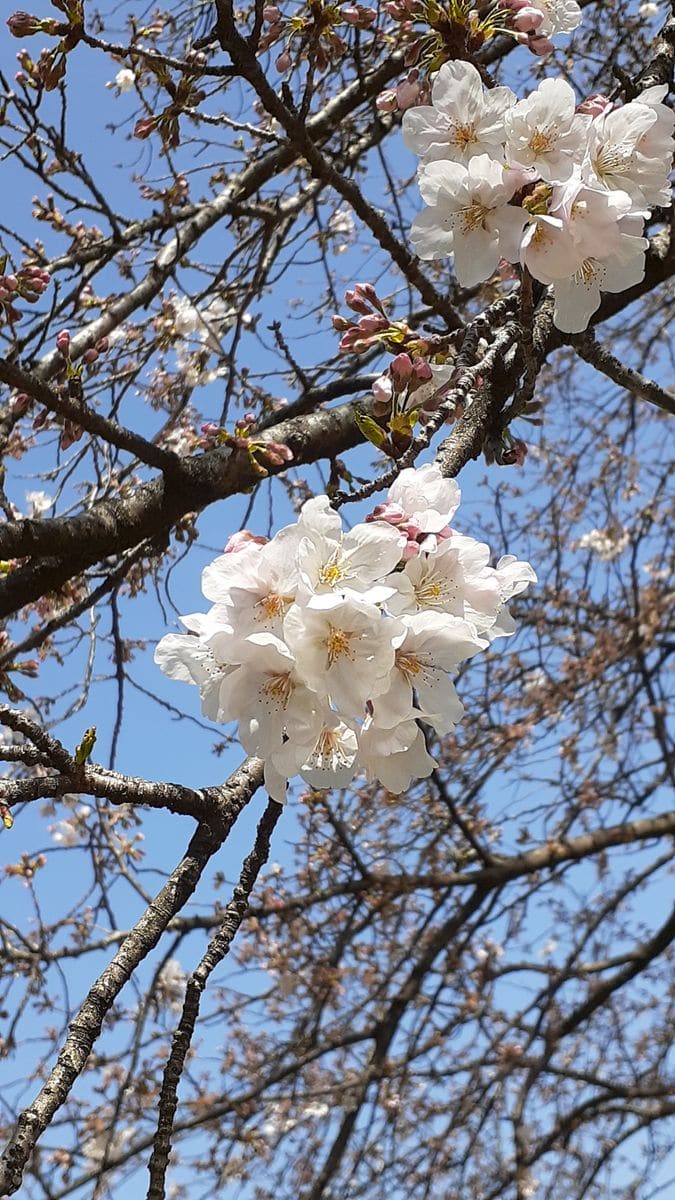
{"x":326,"y":645}
{"x":560,"y":189}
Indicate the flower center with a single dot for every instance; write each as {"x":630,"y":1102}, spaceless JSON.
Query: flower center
{"x":463,"y":135}
{"x":542,"y":141}
{"x":409,"y":664}
{"x":613,"y":160}
{"x":273,"y":606}
{"x":332,"y":571}
{"x":329,"y":751}
{"x":473,"y":217}
{"x":338,"y":644}
{"x":278,"y":688}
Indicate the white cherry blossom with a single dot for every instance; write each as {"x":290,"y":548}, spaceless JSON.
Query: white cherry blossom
{"x":544,"y":131}
{"x":344,"y":650}
{"x":253,"y":588}
{"x":351,"y":561}
{"x":269,"y":698}
{"x":456,"y":579}
{"x":463,"y":119}
{"x":427,"y":499}
{"x":394,"y":756}
{"x":631,"y":149}
{"x":187,"y":658}
{"x":513,"y":577}
{"x":560,"y":16}
{"x":299,"y":648}
{"x":579,"y":296}
{"x":329,"y":762}
{"x":434,"y":644}
{"x":469,"y":215}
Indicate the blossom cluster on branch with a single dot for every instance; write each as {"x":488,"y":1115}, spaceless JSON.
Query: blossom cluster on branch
{"x":329,"y":646}
{"x":561,"y":189}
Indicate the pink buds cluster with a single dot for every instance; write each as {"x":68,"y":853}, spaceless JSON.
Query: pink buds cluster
{"x":360,"y":335}
{"x":316,"y":31}
{"x":50,"y":68}
{"x":526,"y":21}
{"x":28,"y":283}
{"x":274,"y":454}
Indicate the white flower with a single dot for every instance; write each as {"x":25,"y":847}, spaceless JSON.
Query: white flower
{"x":513,"y":577}
{"x":605,"y":544}
{"x":66,"y":833}
{"x":463,"y":119}
{"x":548,"y":249}
{"x":544,"y":132}
{"x":170,"y":985}
{"x":395,"y":756}
{"x":329,"y":762}
{"x":469,"y":216}
{"x":577,"y":298}
{"x":269,"y":699}
{"x":434,"y":644}
{"x":631,"y":148}
{"x":330,"y":561}
{"x":40,"y":503}
{"x":124,"y":80}
{"x":455,"y":579}
{"x":344,"y":650}
{"x":187,"y":658}
{"x":428,"y":500}
{"x":186,"y":317}
{"x":560,"y":16}
{"x":648,"y":10}
{"x":252,"y":590}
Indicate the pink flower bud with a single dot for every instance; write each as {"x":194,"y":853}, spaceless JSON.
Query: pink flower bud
{"x":20,"y":404}
{"x":383,"y":390}
{"x":594,"y":106}
{"x":340,"y":324}
{"x":90,"y":356}
{"x":356,"y":303}
{"x":393,"y":514}
{"x":23,"y":24}
{"x":386,"y":102}
{"x":373,"y":323}
{"x":407,"y":93}
{"x":244,"y":537}
{"x":144,"y":127}
{"x":422,"y":370}
{"x":401,"y":371}
{"x":528,"y":20}
{"x":540,"y":45}
{"x":271,"y":14}
{"x":278,"y":453}
{"x":63,"y":341}
{"x":102,"y":345}
{"x":366,"y":291}
{"x":284,"y":62}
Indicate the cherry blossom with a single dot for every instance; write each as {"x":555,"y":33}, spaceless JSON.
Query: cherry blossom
{"x":631,"y":148}
{"x":395,"y":756}
{"x":469,"y":216}
{"x":463,"y":119}
{"x":328,"y":647}
{"x":545,"y":133}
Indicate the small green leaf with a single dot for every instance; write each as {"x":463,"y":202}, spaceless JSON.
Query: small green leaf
{"x":370,"y":429}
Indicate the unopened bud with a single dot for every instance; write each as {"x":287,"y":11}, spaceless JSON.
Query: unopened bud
{"x":63,"y":342}
{"x":401,"y":370}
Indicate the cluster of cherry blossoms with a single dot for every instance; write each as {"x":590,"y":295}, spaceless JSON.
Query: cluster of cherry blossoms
{"x":561,"y":189}
{"x":329,"y":646}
